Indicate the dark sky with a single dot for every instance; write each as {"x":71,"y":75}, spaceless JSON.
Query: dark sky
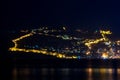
{"x":72,"y":13}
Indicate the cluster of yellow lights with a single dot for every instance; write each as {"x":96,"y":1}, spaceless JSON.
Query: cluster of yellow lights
{"x":41,"y":51}
{"x":118,"y":42}
{"x":90,"y":42}
{"x":105,"y":55}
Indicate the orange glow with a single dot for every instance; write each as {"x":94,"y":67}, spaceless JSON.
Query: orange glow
{"x":105,"y":55}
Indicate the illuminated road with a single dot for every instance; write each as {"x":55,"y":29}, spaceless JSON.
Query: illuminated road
{"x":90,"y":42}
{"x":43,"y":51}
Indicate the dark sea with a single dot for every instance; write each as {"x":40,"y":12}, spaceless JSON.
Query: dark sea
{"x":55,"y":69}
{"x":27,"y":73}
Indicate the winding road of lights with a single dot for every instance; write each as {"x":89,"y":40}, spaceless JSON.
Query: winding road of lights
{"x":87,"y":42}
{"x":42,"y":51}
{"x":90,"y":42}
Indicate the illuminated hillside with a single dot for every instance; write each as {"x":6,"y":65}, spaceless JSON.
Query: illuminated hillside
{"x":63,"y":43}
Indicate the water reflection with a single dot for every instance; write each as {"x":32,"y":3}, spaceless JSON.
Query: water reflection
{"x":27,"y":73}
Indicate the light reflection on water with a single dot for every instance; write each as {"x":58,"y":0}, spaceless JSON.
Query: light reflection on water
{"x":66,"y":73}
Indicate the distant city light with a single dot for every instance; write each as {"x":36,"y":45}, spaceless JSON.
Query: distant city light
{"x":74,"y":46}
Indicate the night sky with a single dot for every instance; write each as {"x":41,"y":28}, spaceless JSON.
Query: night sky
{"x":91,"y":14}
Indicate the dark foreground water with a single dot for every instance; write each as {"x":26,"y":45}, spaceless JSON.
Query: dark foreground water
{"x":29,"y":67}
{"x":66,"y":70}
{"x":27,"y":73}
